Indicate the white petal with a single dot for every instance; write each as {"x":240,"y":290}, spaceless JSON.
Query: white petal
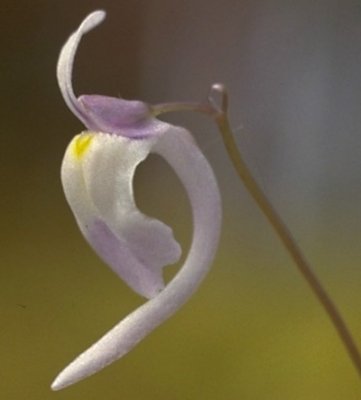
{"x":97,"y":175}
{"x":196,"y":175}
{"x":66,"y":61}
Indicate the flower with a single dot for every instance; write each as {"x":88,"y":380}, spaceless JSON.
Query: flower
{"x":97,"y":175}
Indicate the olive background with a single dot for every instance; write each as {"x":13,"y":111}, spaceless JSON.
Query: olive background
{"x":253,"y":330}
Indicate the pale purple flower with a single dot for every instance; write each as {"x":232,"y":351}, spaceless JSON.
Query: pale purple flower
{"x":97,"y":175}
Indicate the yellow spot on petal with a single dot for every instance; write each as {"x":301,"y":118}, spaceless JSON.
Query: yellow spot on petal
{"x":81,"y":144}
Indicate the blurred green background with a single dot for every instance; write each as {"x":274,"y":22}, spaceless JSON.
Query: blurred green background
{"x":253,"y":330}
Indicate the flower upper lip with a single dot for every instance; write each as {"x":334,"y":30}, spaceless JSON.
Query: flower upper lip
{"x":125,"y":113}
{"x":117,"y":116}
{"x":101,"y":113}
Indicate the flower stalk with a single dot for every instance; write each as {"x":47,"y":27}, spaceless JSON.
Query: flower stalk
{"x":285,"y":235}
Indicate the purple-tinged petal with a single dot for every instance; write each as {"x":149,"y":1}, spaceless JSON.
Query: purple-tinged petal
{"x":121,"y":117}
{"x":97,"y":176}
{"x":130,"y":263}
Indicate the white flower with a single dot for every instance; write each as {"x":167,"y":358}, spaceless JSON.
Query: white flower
{"x":97,"y":175}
